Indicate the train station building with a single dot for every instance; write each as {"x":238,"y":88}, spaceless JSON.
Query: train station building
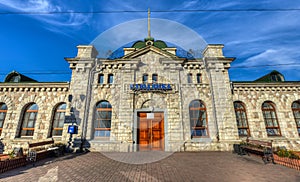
{"x":150,"y":99}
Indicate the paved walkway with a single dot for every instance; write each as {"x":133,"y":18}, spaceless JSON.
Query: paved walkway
{"x":200,"y":166}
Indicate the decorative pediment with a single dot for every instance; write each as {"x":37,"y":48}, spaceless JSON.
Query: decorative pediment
{"x":139,"y":52}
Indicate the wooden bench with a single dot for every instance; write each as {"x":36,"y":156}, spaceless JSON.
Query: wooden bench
{"x":32,"y":152}
{"x":38,"y":144}
{"x":260,"y":148}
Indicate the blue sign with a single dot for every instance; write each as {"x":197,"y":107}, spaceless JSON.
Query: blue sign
{"x":156,"y":86}
{"x":73,"y":129}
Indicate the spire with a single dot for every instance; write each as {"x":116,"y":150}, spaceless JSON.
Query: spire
{"x":149,"y":40}
{"x":149,"y":31}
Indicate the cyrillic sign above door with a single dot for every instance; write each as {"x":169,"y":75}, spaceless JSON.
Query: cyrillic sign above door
{"x":155,"y":86}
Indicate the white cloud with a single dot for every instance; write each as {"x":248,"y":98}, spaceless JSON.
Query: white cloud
{"x":284,"y":58}
{"x":190,"y":4}
{"x":53,"y":21}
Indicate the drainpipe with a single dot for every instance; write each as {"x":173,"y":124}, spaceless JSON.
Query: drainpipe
{"x":87,"y":104}
{"x":134,"y":116}
{"x":181,"y":109}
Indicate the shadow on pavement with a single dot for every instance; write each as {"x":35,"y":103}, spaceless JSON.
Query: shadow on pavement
{"x":24,"y":169}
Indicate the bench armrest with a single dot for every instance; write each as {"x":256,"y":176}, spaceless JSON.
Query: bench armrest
{"x":53,"y":148}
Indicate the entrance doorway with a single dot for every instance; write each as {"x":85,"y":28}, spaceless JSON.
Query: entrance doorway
{"x":150,"y":131}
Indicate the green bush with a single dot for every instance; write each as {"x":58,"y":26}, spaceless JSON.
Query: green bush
{"x":282,"y":152}
{"x":11,"y":155}
{"x":243,"y":143}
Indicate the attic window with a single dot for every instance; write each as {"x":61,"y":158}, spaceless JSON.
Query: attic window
{"x":149,"y":42}
{"x":14,"y":78}
{"x":276,"y":78}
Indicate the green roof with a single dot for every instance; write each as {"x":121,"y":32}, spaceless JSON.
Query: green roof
{"x":139,"y":44}
{"x":160,"y":44}
{"x":273,"y":76}
{"x":17,"y":77}
{"x":149,"y":41}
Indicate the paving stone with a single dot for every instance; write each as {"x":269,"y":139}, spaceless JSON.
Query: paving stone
{"x":193,"y":166}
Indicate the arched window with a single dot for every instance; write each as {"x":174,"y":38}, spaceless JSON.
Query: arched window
{"x":154,"y":78}
{"x":58,"y":120}
{"x":270,"y":117}
{"x":198,"y":119}
{"x":296,"y":112}
{"x":28,"y":120}
{"x":103,"y":119}
{"x":145,"y":78}
{"x":3,"y":111}
{"x":241,"y":119}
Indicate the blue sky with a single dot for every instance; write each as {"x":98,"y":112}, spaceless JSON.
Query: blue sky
{"x":34,"y":42}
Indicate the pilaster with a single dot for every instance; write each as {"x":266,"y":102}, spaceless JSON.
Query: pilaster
{"x":223,"y":111}
{"x":83,"y":66}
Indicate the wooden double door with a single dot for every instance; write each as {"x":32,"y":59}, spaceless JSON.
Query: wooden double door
{"x":150,"y":131}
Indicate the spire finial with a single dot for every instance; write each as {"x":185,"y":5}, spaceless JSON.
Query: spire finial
{"x":149,"y":31}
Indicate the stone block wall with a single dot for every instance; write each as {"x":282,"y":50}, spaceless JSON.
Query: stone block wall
{"x":175,"y":103}
{"x":253,"y":95}
{"x":17,"y":96}
{"x":214,"y":89}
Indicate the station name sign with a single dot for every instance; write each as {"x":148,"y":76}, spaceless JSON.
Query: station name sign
{"x":155,"y":86}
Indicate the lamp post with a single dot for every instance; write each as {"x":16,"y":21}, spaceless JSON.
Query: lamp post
{"x":72,"y":129}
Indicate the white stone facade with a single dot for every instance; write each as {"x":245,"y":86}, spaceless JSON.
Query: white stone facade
{"x":214,"y":89}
